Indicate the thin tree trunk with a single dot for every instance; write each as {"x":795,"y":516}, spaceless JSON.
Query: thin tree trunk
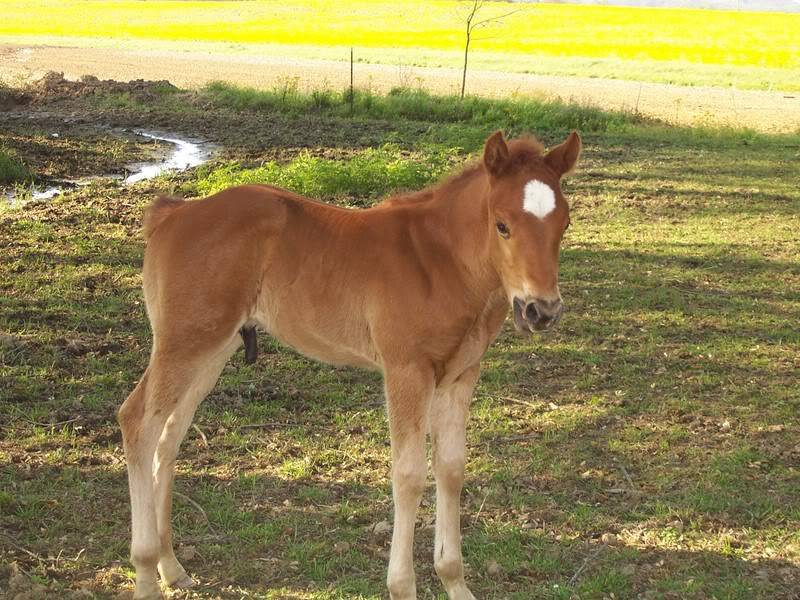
{"x":464,"y":74}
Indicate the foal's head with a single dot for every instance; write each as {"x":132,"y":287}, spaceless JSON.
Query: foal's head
{"x":528,"y":216}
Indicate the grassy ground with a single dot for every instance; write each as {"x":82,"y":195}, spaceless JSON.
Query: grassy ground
{"x":746,"y":49}
{"x":647,"y":448}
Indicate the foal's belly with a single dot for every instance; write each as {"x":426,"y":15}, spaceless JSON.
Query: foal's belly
{"x":336,"y":336}
{"x":338,"y":353}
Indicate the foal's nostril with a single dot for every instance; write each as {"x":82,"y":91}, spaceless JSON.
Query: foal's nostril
{"x":546,"y":309}
{"x":531,"y":312}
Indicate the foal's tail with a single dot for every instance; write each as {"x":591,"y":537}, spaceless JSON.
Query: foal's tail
{"x":159,"y":210}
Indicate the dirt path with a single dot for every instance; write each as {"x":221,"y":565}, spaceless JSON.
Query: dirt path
{"x":763,"y":111}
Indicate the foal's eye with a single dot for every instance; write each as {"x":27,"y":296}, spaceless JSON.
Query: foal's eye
{"x":502,"y":229}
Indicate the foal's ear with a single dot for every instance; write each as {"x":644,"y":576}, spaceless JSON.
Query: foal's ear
{"x":562,"y":158}
{"x":495,"y":153}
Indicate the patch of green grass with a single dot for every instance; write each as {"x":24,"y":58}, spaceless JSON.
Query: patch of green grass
{"x":602,"y":585}
{"x":12,"y":169}
{"x":420,"y":105}
{"x":370,"y":173}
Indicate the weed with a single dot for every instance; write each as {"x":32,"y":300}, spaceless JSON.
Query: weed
{"x":12,"y":169}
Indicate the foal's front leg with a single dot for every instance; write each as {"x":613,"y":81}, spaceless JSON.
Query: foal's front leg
{"x":409,"y":391}
{"x":448,"y":436}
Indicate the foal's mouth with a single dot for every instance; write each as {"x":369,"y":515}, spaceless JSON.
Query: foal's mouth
{"x":535,"y":315}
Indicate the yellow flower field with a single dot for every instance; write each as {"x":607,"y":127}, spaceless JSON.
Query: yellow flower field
{"x":547,"y":30}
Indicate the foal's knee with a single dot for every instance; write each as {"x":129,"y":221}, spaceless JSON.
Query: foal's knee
{"x":410,"y":481}
{"x":448,"y":568}
{"x":449,"y":472}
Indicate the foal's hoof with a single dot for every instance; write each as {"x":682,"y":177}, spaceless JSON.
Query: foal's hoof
{"x":182,"y":583}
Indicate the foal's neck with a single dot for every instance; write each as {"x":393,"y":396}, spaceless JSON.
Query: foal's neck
{"x":462,"y":207}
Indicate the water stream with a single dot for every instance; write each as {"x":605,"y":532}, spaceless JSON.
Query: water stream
{"x":184,"y":155}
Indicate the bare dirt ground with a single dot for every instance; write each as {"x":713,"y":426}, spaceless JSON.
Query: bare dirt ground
{"x":759,"y":110}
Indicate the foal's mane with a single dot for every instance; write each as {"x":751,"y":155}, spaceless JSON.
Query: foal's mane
{"x":521,"y":151}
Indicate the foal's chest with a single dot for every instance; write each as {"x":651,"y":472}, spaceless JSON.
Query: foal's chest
{"x":476,"y":339}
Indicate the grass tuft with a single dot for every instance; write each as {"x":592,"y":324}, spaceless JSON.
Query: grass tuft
{"x":12,"y":169}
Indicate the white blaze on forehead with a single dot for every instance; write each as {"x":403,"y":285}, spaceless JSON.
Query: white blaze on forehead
{"x":539,"y":198}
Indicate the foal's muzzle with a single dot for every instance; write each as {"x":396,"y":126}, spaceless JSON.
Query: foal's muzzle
{"x":536,"y":314}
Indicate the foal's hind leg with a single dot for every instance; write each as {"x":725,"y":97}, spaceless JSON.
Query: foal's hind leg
{"x":141,"y":426}
{"x":157,"y":413}
{"x":206,"y":373}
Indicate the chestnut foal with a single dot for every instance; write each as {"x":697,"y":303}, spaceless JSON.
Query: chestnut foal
{"x":416,"y":287}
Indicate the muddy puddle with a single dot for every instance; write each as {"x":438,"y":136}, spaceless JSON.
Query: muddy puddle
{"x":178,"y":155}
